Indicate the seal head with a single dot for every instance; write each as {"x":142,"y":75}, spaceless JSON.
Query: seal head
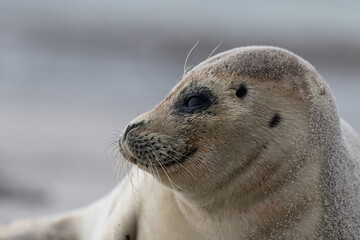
{"x":224,"y":114}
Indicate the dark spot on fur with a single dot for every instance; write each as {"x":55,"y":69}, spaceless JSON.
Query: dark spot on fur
{"x":275,"y":120}
{"x":127,"y":237}
{"x":241,"y":92}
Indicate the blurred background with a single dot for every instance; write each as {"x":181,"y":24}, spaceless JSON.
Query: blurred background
{"x":73,"y":73}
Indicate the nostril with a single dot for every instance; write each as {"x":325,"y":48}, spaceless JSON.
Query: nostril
{"x":132,"y":126}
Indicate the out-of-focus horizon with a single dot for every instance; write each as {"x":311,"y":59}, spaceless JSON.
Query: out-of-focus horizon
{"x":73,"y":73}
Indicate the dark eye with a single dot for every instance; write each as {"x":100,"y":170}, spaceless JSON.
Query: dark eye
{"x":241,"y":92}
{"x":197,"y":102}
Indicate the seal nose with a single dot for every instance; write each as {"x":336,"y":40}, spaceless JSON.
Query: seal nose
{"x":130,"y":127}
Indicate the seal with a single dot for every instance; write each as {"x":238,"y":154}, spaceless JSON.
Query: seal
{"x":249,"y":145}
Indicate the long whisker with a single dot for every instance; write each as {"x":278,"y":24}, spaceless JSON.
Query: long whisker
{"x":197,"y":206}
{"x":178,"y":162}
{"x":131,"y":176}
{"x":123,"y":168}
{"x":116,"y":163}
{"x":114,"y":151}
{"x":197,"y":166}
{"x":214,"y":50}
{"x":187,"y":57}
{"x":150,"y":164}
{"x":152,"y":170}
{"x":166,"y":173}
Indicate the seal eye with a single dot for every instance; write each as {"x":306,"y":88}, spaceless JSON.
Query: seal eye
{"x":197,"y":101}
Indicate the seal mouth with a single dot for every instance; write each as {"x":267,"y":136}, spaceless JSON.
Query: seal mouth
{"x":159,"y":164}
{"x":170,"y":163}
{"x":150,"y":151}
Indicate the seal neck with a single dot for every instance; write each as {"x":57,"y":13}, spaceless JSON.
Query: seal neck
{"x":280,"y":198}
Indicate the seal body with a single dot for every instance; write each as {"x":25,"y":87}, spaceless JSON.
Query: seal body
{"x":249,"y":145}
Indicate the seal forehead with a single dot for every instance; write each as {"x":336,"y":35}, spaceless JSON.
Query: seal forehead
{"x":263,"y":63}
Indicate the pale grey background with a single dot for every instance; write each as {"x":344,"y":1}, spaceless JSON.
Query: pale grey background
{"x":72,"y":73}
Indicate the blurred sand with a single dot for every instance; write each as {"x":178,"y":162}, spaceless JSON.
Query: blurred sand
{"x":72,"y":74}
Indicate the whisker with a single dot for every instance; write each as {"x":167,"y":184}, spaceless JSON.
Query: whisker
{"x":166,"y":173}
{"x":178,"y":162}
{"x":158,"y":174}
{"x":131,"y":176}
{"x":214,"y":50}
{"x":187,"y":57}
{"x":153,"y":175}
